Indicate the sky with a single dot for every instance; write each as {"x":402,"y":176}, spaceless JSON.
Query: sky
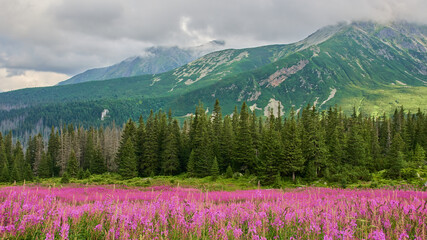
{"x":44,"y":42}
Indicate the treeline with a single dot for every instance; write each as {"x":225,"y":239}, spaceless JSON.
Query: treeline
{"x":309,"y":144}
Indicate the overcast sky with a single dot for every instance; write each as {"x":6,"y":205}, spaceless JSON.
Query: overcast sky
{"x":43,"y":42}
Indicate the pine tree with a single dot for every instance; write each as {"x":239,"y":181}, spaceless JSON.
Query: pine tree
{"x":215,"y":170}
{"x":127,"y":161}
{"x":73,"y":165}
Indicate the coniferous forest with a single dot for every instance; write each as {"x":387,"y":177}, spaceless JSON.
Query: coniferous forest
{"x":305,"y":144}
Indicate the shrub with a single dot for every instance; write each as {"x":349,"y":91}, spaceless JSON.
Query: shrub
{"x":65,"y":178}
{"x":229,"y":172}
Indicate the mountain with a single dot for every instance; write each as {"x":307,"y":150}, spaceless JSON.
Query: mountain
{"x":372,"y":67}
{"x":155,"y":60}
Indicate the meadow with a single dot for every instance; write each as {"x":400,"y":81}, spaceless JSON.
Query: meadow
{"x":164,"y":212}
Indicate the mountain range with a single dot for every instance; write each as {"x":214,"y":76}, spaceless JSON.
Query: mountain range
{"x":364,"y":65}
{"x":155,"y":60}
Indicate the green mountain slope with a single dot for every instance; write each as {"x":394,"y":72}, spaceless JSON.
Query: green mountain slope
{"x":372,"y":67}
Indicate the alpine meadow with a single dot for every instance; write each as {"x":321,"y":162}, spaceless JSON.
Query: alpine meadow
{"x":193,"y":137}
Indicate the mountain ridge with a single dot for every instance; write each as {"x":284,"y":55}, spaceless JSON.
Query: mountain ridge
{"x":154,"y":61}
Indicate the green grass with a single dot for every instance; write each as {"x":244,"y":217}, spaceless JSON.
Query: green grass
{"x":416,"y":180}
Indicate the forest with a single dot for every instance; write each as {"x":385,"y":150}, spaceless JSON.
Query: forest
{"x":305,"y":144}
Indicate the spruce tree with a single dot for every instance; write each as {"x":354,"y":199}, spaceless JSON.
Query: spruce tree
{"x":18,"y":157}
{"x":140,"y":142}
{"x":170,"y":154}
{"x":4,"y":173}
{"x":150,"y":159}
{"x":217,"y":130}
{"x":97,"y":165}
{"x":244,"y":152}
{"x":53,"y":150}
{"x":86,"y":174}
{"x":229,"y":172}
{"x":65,"y":178}
{"x":270,"y":156}
{"x":162,"y":127}
{"x":73,"y":165}
{"x":190,"y":166}
{"x":80,"y":173}
{"x":419,"y":157}
{"x":184,"y":144}
{"x":293,"y":157}
{"x":255,"y":132}
{"x":28,"y":173}
{"x":201,"y":144}
{"x":15,"y":174}
{"x":128,"y":163}
{"x":356,"y":149}
{"x":313,"y":142}
{"x":89,"y":153}
{"x":44,"y":167}
{"x":226,"y":145}
{"x":215,"y":169}
{"x":396,"y":157}
{"x":8,"y":148}
{"x":4,"y":168}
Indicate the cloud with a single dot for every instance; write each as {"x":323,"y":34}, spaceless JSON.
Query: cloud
{"x":27,"y":79}
{"x":70,"y":36}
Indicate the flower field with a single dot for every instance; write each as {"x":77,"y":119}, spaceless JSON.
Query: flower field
{"x":182,"y":213}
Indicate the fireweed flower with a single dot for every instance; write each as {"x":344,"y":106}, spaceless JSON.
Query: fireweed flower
{"x":177,"y":213}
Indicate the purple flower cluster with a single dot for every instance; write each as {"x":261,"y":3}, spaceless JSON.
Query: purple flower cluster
{"x":182,"y":213}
